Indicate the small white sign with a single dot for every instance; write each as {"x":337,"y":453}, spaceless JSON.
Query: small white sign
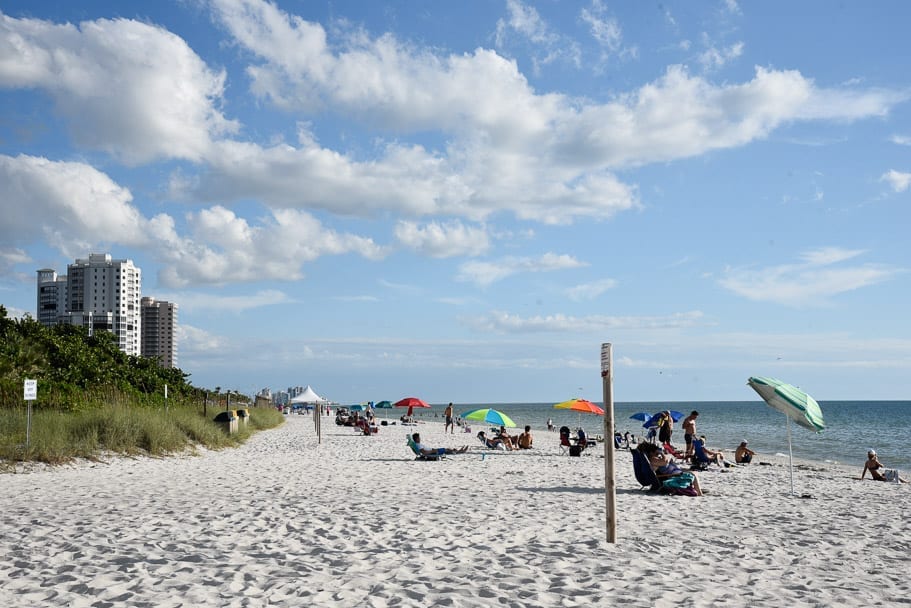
{"x":165,"y":391}
{"x":31,"y":390}
{"x":605,"y":356}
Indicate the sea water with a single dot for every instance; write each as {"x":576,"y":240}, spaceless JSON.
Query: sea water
{"x":852,"y":427}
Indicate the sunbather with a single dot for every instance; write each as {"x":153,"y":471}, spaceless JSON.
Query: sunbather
{"x":664,"y":466}
{"x":873,"y":465}
{"x":423,"y":449}
{"x":493,"y":443}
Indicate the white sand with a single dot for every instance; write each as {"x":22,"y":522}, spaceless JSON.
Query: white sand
{"x":356,"y":521}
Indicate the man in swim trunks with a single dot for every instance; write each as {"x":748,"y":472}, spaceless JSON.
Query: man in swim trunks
{"x":689,"y":432}
{"x":450,"y":424}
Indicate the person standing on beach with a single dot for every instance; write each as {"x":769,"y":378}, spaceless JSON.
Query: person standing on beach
{"x":550,"y":424}
{"x":450,"y":422}
{"x":666,"y":428}
{"x":689,"y":433}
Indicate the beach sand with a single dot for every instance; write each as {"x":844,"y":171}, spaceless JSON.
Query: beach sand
{"x":356,"y":521}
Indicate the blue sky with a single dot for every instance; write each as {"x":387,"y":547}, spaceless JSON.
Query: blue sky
{"x":462,"y":201}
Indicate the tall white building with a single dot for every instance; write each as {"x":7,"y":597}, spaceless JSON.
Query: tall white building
{"x":159,"y":321}
{"x":96,"y":293}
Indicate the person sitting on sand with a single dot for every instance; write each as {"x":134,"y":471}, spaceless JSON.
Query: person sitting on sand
{"x":423,"y":449}
{"x":525,"y":439}
{"x":664,"y":466}
{"x":873,"y":465}
{"x":508,"y":440}
{"x":716,"y":456}
{"x":743,"y":454}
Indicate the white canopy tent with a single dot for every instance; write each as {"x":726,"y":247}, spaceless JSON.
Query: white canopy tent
{"x":309,"y":396}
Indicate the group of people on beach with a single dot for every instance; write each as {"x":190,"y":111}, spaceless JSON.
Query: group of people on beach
{"x":505,"y":441}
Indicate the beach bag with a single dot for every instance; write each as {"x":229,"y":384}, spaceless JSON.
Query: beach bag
{"x":892,"y":475}
{"x":575,"y":450}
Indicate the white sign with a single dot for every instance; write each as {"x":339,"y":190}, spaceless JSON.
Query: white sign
{"x":165,"y":391}
{"x":31,"y":390}
{"x":605,"y":357}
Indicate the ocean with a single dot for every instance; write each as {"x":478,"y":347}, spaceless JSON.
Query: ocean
{"x":852,"y":427}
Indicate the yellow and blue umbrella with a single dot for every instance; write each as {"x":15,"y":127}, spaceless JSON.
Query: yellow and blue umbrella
{"x":490,"y":416}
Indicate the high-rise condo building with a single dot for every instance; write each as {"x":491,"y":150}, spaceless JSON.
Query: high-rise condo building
{"x":159,"y":321}
{"x":96,"y":293}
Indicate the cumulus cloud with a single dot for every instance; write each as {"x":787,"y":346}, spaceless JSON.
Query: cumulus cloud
{"x":901,"y":140}
{"x":71,"y":205}
{"x":503,"y":322}
{"x":76,"y":208}
{"x":819,"y":276}
{"x":132,"y":89}
{"x":225,"y":248}
{"x":897,"y":180}
{"x":487,"y":273}
{"x":443,"y":240}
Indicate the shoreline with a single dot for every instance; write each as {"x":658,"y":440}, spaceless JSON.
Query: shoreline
{"x":356,"y":521}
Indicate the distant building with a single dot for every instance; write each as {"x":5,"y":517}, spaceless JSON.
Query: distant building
{"x":102,"y":293}
{"x":159,"y":322}
{"x":51,"y":296}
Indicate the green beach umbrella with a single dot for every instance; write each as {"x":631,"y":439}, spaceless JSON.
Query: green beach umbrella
{"x":794,"y":403}
{"x":490,"y":416}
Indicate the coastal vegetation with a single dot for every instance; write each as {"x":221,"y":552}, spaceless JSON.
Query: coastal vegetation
{"x":94,"y":399}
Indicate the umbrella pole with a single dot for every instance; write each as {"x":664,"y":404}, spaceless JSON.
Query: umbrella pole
{"x":790,"y":454}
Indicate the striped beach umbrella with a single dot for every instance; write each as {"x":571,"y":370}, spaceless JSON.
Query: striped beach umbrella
{"x":794,"y":403}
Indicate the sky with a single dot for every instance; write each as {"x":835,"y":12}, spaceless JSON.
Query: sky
{"x":462,"y":201}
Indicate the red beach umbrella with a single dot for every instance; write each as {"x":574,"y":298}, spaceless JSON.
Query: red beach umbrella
{"x":411,"y":403}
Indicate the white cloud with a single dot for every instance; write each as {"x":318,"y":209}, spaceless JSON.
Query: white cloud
{"x":525,"y":20}
{"x":193,"y":340}
{"x":70,"y":205}
{"x":810,"y":283}
{"x":606,"y":31}
{"x":443,"y":240}
{"x":226,"y":248}
{"x":503,"y":322}
{"x":132,"y":89}
{"x":190,"y":301}
{"x":590,"y":291}
{"x":901,"y":140}
{"x":487,"y":273}
{"x":76,"y":208}
{"x":897,"y":180}
{"x":715,"y":58}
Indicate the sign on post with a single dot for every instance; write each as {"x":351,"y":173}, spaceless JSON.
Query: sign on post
{"x":29,"y":393}
{"x":31,"y":390}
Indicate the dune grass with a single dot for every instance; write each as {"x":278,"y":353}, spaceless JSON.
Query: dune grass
{"x":119,"y":426}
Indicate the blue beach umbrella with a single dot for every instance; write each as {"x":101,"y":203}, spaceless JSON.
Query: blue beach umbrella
{"x":643,"y":416}
{"x":490,"y":416}
{"x":359,"y":407}
{"x":794,"y":403}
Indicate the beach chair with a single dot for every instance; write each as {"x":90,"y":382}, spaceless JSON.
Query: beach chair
{"x":644,"y":473}
{"x":650,"y":480}
{"x":417,"y":453}
{"x":565,"y":443}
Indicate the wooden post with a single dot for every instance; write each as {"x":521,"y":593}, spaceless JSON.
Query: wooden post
{"x":610,"y":493}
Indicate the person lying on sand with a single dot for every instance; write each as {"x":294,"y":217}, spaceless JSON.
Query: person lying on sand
{"x":423,"y":449}
{"x":873,"y":465}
